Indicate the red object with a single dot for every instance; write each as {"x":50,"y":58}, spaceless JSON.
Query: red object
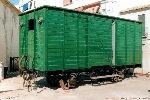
{"x":79,"y":8}
{"x":67,"y":2}
{"x":90,"y":7}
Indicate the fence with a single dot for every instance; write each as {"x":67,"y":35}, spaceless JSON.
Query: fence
{"x":14,"y":64}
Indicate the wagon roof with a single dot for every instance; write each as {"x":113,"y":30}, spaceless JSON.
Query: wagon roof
{"x":11,"y":6}
{"x":54,"y":7}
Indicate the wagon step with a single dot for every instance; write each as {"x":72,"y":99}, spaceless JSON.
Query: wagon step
{"x":106,"y":76}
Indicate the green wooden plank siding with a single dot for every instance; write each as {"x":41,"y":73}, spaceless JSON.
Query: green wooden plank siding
{"x":120,"y":43}
{"x":69,"y":39}
{"x":138,"y":42}
{"x":130,"y":42}
{"x":55,"y":38}
{"x":23,"y":37}
{"x":99,"y":41}
{"x":82,"y":41}
{"x":32,"y":42}
{"x":40,"y":42}
{"x":78,"y":33}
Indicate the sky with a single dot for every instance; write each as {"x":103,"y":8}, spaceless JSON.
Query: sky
{"x":14,"y":2}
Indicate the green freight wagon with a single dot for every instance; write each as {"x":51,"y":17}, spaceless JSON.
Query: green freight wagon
{"x":66,"y":44}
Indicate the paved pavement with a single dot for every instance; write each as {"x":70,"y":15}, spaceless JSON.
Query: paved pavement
{"x":128,"y":89}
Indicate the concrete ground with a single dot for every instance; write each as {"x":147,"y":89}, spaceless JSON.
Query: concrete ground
{"x":129,"y":89}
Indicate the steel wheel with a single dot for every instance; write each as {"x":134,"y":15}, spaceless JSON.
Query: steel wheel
{"x":121,"y":73}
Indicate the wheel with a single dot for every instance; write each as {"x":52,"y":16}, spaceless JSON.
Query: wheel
{"x":122,"y":75}
{"x":68,"y":83}
{"x":72,"y":81}
{"x":115,"y":78}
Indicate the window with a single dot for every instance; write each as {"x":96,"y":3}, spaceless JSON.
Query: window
{"x":31,"y":24}
{"x":142,"y":19}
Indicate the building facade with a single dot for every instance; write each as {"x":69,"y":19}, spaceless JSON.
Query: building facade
{"x":9,"y":35}
{"x":26,"y":5}
{"x":90,"y":5}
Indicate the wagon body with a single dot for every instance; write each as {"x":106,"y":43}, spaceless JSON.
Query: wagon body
{"x":67,"y":39}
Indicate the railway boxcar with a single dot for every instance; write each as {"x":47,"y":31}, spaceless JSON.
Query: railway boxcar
{"x":65,"y":43}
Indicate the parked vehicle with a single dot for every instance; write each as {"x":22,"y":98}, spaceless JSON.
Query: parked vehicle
{"x":66,"y":44}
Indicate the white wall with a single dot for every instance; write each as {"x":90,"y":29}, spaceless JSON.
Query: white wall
{"x":58,"y":3}
{"x":112,"y":8}
{"x":75,"y":4}
{"x":38,"y":3}
{"x":9,"y":34}
{"x":146,"y":56}
{"x":108,"y":6}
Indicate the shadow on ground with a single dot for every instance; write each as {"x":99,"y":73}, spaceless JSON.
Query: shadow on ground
{"x":82,"y":81}
{"x":42,"y":83}
{"x":12,"y":74}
